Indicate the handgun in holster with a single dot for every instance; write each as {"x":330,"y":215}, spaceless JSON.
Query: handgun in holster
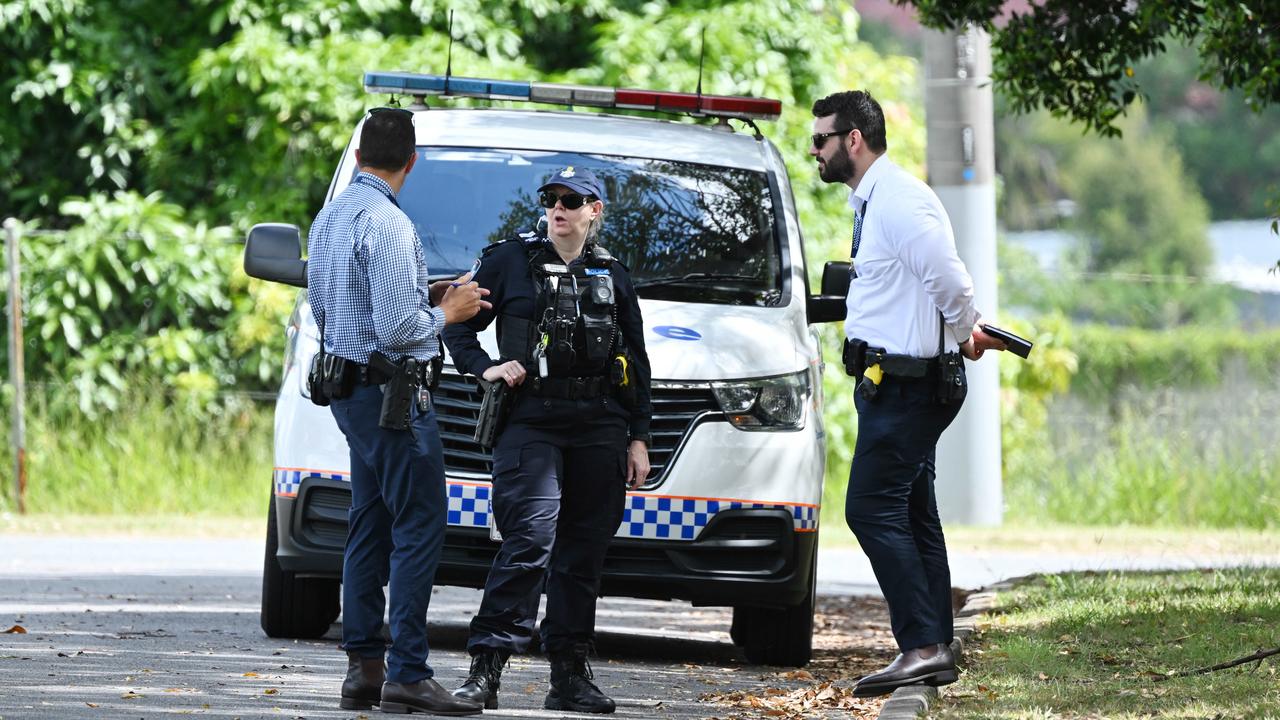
{"x":493,"y":412}
{"x":399,"y":392}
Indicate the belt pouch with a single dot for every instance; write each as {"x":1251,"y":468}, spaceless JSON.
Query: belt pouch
{"x":953,"y":386}
{"x":315,"y":381}
{"x":596,"y":336}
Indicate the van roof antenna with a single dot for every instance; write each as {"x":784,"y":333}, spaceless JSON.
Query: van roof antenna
{"x":448,"y":67}
{"x":702,"y":55}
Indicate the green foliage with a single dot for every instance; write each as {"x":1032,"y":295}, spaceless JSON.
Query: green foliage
{"x":159,"y":452}
{"x":1104,"y":644}
{"x":133,"y":291}
{"x":1076,"y":59}
{"x":1112,"y":358}
{"x":1136,"y":210}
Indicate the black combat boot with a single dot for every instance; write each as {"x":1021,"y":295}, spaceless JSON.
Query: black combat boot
{"x":485,"y":678}
{"x":571,"y":686}
{"x":363,"y":687}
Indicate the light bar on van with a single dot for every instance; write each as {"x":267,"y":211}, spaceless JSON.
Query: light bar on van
{"x":569,"y":95}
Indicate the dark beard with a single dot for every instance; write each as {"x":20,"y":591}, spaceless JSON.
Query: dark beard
{"x":839,"y":169}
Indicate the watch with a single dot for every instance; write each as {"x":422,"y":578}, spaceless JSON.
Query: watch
{"x":646,"y":438}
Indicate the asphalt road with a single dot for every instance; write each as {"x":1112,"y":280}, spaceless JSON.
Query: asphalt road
{"x":145,"y":628}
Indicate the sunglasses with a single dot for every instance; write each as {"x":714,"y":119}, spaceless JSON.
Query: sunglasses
{"x":571,"y":201}
{"x":820,"y":139}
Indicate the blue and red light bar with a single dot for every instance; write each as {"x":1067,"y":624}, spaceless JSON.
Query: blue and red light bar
{"x":734,"y":106}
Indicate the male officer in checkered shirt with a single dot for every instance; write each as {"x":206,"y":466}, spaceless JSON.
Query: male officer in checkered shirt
{"x":368,"y":287}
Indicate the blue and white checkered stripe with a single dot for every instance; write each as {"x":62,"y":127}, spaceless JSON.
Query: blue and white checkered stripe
{"x":671,"y":518}
{"x":644,"y":516}
{"x":469,"y":505}
{"x":288,"y":480}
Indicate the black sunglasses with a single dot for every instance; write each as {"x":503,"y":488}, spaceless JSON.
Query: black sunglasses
{"x":571,"y":201}
{"x":820,"y":139}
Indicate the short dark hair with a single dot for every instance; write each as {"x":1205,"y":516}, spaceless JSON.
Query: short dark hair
{"x":387,"y":140}
{"x":855,"y":109}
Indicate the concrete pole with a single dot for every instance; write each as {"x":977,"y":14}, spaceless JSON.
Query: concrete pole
{"x":961,"y":168}
{"x":16,"y":368}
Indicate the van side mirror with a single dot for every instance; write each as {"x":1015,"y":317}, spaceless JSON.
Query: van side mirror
{"x":830,"y":305}
{"x":273,"y":251}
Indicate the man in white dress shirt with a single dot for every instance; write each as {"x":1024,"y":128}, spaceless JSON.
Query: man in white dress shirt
{"x":910,"y":308}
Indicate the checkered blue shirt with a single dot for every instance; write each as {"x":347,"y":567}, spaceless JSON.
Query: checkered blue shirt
{"x":367,"y":277}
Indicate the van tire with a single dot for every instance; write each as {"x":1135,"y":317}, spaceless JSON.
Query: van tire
{"x":778,"y":636}
{"x":294,"y":607}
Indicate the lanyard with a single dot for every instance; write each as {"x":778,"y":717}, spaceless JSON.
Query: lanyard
{"x":365,"y":181}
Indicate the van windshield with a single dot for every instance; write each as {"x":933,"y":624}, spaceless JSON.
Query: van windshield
{"x":688,"y":232}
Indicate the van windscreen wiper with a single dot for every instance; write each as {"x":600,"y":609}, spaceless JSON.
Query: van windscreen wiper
{"x":691,"y":277}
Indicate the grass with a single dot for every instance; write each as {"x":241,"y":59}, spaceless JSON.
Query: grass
{"x":203,"y":526}
{"x":1159,"y":458}
{"x":159,"y":455}
{"x":1109,"y":646}
{"x":1084,"y":540}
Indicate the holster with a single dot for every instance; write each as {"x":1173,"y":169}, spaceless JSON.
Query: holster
{"x":315,"y":382}
{"x":854,"y":357}
{"x":494,"y":408}
{"x":399,"y":392}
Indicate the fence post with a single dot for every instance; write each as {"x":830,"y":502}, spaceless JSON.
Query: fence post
{"x":16,"y":366}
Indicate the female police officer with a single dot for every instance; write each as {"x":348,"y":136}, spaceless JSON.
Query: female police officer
{"x":572,"y":346}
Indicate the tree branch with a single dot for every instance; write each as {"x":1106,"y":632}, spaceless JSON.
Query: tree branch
{"x":1260,"y":655}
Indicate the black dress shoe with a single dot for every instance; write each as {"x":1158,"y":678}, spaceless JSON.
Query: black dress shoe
{"x":362,"y":688}
{"x":910,"y":668}
{"x":424,"y":696}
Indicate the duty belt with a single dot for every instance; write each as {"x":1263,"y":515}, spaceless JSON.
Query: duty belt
{"x":901,"y":365}
{"x":365,"y":375}
{"x":569,"y":388}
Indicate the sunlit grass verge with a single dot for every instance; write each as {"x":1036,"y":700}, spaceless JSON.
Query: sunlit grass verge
{"x":1111,"y":645}
{"x":159,"y":455}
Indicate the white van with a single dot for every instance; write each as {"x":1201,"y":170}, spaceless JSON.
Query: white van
{"x":704,"y":217}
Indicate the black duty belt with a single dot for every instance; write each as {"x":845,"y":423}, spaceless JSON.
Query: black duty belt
{"x":901,"y":365}
{"x":365,"y":375}
{"x":569,"y":388}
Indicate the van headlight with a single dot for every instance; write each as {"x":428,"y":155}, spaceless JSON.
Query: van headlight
{"x":775,"y":403}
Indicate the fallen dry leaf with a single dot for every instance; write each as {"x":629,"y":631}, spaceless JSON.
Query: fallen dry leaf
{"x":250,"y":674}
{"x":131,"y":695}
{"x":16,"y":630}
{"x":270,"y":691}
{"x":94,"y":705}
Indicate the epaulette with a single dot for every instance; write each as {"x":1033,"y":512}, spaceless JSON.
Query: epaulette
{"x":495,"y":245}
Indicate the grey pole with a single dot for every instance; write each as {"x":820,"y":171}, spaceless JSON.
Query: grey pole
{"x":16,"y":367}
{"x":961,"y":168}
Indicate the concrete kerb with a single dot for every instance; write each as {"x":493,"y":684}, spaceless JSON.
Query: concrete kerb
{"x":913,"y":701}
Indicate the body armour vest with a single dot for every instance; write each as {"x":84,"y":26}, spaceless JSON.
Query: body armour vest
{"x":574,"y":332}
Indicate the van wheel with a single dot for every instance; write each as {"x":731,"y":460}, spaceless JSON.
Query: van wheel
{"x":773,"y":636}
{"x":294,"y":607}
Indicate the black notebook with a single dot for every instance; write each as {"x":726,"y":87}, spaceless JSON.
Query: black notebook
{"x":1017,"y":345}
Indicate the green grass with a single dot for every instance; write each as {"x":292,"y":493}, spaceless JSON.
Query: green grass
{"x":1156,"y":458}
{"x":158,"y":455}
{"x":1105,"y":646}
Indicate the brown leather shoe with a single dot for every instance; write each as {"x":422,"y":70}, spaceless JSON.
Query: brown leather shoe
{"x":424,"y":696}
{"x":911,"y":668}
{"x":362,"y":689}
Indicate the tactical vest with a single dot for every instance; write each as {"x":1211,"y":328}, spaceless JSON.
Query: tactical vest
{"x":575,"y":328}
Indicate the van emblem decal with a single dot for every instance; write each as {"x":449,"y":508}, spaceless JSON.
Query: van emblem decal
{"x":675,"y":332}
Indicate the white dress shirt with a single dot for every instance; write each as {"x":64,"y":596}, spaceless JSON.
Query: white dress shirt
{"x":907,"y":267}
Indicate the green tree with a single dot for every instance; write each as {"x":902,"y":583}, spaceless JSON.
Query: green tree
{"x":1136,"y":210}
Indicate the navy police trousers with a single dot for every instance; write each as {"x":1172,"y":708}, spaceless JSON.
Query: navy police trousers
{"x":396,"y":532}
{"x":558,"y":495}
{"x":891,"y":508}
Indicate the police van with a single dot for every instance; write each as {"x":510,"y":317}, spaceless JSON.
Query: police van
{"x":704,"y":217}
